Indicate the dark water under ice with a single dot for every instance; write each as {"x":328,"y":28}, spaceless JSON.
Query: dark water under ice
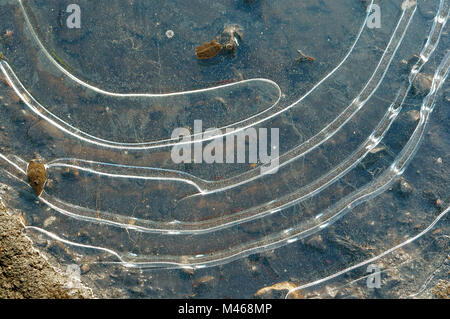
{"x":364,"y":148}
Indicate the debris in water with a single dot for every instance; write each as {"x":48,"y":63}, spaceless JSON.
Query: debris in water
{"x":6,"y":38}
{"x":230,"y":37}
{"x":422,"y":84}
{"x":8,"y":35}
{"x":404,"y":188}
{"x":170,"y":34}
{"x":304,"y":57}
{"x":208,"y":50}
{"x":36,"y":176}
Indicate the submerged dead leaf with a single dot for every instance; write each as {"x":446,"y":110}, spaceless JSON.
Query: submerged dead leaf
{"x":208,"y":50}
{"x":36,"y":176}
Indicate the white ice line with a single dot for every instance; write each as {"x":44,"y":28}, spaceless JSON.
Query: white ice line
{"x":371,"y":260}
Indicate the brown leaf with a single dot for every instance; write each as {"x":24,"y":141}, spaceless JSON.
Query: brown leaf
{"x":36,"y":176}
{"x":208,"y":50}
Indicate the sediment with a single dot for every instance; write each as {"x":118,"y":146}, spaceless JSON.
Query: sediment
{"x":24,"y":272}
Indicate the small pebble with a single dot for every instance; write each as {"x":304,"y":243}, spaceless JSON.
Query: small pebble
{"x":170,"y":34}
{"x":85,"y":268}
{"x":404,"y":188}
{"x":438,"y":203}
{"x":422,"y":84}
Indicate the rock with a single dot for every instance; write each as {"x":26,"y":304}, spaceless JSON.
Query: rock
{"x":204,"y":284}
{"x":255,"y":270}
{"x":404,"y":188}
{"x":279,"y":291}
{"x":439,"y":204}
{"x":422,"y":84}
{"x":432,"y":198}
{"x":85,"y":268}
